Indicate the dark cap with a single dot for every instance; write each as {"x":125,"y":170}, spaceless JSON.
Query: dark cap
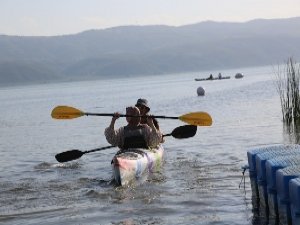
{"x":143,"y":102}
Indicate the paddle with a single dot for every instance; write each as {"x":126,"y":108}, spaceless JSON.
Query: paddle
{"x":181,"y":132}
{"x":194,"y":118}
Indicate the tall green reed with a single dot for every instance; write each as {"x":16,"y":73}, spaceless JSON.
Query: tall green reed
{"x":288,"y":79}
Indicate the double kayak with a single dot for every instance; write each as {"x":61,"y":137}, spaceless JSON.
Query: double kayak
{"x":215,"y":78}
{"x":133,"y":166}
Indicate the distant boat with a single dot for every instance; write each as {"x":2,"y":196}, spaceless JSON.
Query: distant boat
{"x":239,"y":75}
{"x":214,"y":78}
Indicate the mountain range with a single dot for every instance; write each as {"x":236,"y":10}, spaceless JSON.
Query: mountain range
{"x":145,"y":50}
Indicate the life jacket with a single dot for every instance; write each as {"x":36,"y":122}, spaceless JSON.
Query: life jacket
{"x":134,"y":138}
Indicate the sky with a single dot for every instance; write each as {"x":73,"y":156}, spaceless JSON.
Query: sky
{"x":60,"y":17}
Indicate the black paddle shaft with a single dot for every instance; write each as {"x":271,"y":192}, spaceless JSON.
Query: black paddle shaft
{"x":76,"y":154}
{"x":124,"y":115}
{"x":185,"y":131}
{"x":99,"y":149}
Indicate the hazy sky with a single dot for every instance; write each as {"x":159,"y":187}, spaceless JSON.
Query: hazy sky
{"x":56,"y":17}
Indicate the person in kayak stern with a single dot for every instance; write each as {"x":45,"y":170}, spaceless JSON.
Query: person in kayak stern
{"x":144,"y":108}
{"x":134,"y":134}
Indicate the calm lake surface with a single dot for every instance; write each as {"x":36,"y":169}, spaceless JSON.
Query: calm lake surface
{"x":199,"y":182}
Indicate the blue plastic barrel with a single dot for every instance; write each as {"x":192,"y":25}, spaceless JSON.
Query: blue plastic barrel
{"x":272,"y":166}
{"x":261,"y":160}
{"x":283,"y":177}
{"x":294,"y":189}
{"x":251,"y":154}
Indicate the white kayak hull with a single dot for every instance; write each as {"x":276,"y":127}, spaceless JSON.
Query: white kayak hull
{"x":133,"y":166}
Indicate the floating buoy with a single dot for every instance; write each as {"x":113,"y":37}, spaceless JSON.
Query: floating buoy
{"x":200,"y":91}
{"x":239,"y":75}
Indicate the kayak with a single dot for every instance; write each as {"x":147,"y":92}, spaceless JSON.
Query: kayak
{"x":215,"y":78}
{"x":133,"y":166}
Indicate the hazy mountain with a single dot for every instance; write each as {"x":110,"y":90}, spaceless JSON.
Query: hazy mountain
{"x":142,"y":50}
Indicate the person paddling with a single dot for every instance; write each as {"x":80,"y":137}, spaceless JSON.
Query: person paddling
{"x":134,"y":134}
{"x":144,"y":108}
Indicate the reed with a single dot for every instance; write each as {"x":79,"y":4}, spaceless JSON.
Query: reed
{"x":288,"y":89}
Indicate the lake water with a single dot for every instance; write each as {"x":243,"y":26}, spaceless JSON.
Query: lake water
{"x":199,"y":182}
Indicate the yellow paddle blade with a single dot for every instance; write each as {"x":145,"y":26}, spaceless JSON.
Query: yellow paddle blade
{"x":197,"y":118}
{"x":66,"y":112}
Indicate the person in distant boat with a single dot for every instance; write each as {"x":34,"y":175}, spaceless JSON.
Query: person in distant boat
{"x":210,"y":77}
{"x":134,"y":134}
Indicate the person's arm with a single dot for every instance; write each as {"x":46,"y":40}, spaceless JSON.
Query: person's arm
{"x":151,"y":123}
{"x":114,"y":137}
{"x":153,"y":135}
{"x":155,"y":122}
{"x":113,"y":120}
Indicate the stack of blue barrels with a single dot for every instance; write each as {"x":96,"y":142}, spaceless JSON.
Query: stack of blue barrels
{"x":275,"y":181}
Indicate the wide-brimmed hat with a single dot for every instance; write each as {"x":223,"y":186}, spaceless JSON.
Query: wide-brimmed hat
{"x":143,"y":102}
